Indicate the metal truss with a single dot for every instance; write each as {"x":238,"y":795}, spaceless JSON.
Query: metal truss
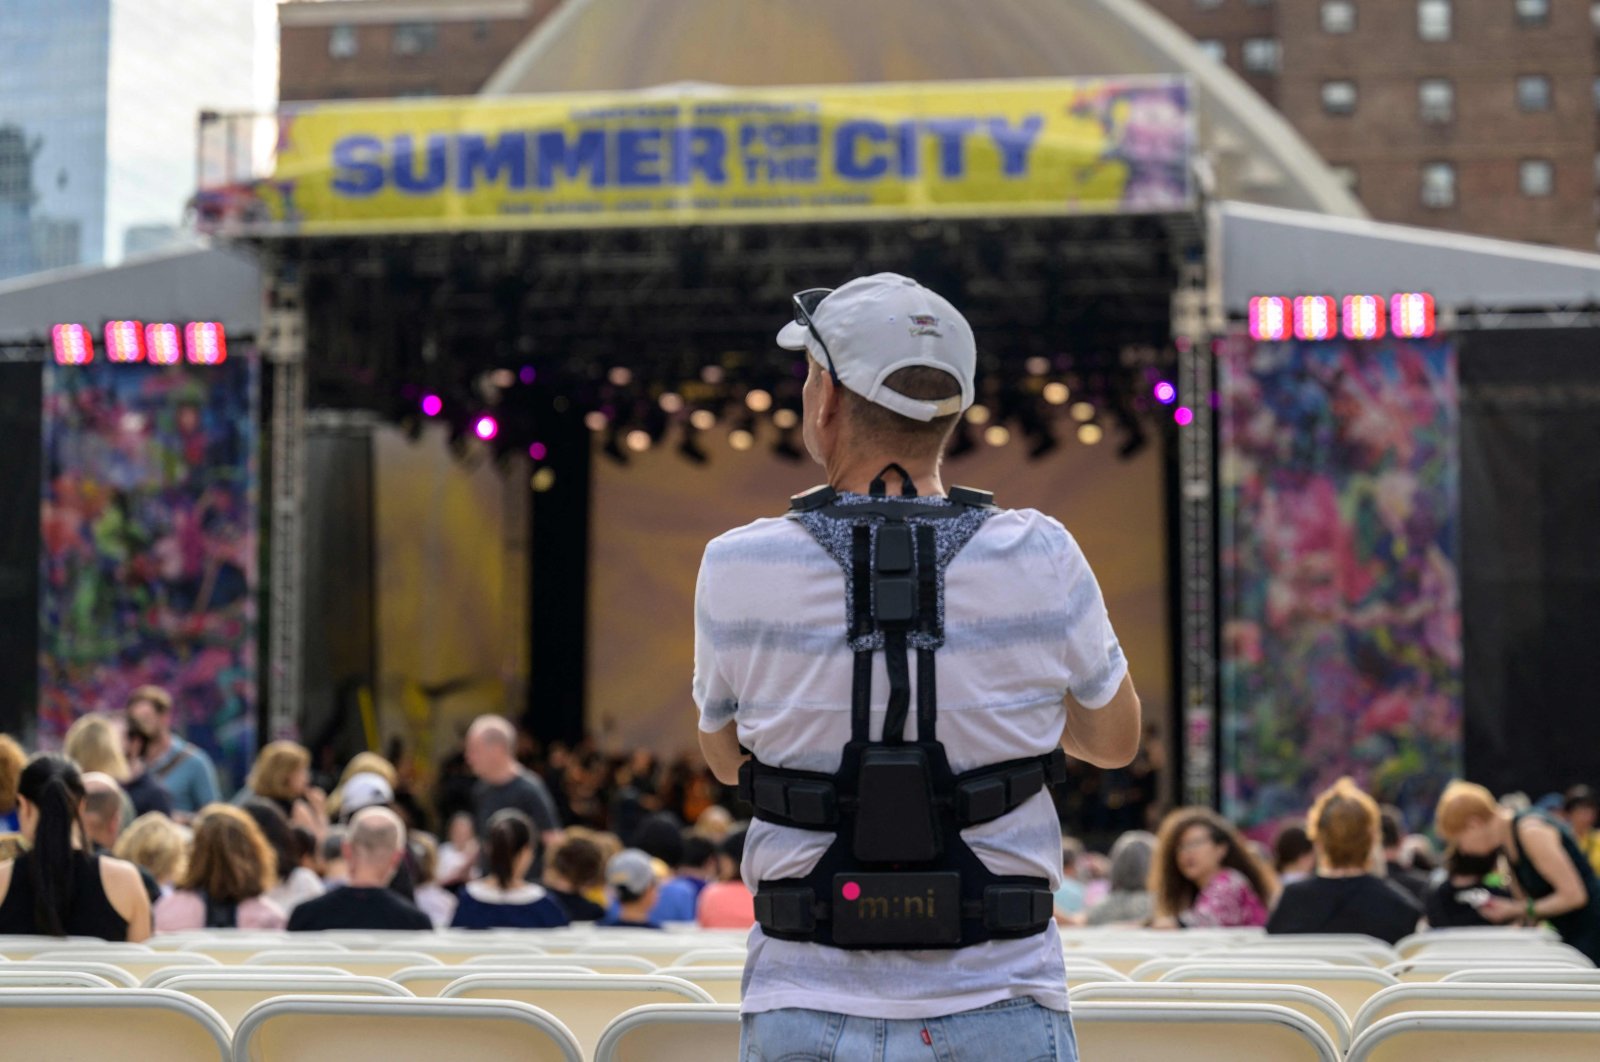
{"x":283,"y":347}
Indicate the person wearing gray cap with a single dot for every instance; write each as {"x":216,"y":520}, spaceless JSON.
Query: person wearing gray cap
{"x":905,"y":846}
{"x":633,"y":881}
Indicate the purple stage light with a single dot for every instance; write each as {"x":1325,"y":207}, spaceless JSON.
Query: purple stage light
{"x":432,"y":405}
{"x":528,"y":374}
{"x":486,"y":427}
{"x":1183,"y":415}
{"x":538,"y":451}
{"x":1166,"y":393}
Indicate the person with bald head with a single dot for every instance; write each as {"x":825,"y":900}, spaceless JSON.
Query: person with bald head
{"x":102,"y":821}
{"x":503,"y":782}
{"x":374,"y":844}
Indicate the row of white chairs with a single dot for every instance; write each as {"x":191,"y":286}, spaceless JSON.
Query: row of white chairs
{"x":145,"y":1025}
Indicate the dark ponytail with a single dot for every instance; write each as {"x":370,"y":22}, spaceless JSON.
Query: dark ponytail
{"x":510,"y":831}
{"x":55,"y":789}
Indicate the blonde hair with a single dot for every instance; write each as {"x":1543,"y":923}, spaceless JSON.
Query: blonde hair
{"x":274,"y":769}
{"x":1461,"y":805}
{"x":12,"y":761}
{"x":231,"y":860}
{"x":157,"y":844}
{"x":1343,"y":824}
{"x":94,"y":745}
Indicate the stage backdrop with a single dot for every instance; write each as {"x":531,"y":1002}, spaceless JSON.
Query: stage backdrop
{"x":652,"y":521}
{"x":148,"y":565}
{"x":1340,"y":603}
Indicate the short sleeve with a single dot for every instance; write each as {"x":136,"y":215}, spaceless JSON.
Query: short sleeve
{"x":713,"y":694}
{"x":1093,"y":656}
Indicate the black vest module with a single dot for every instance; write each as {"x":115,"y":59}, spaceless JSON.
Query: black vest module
{"x":898,"y":874}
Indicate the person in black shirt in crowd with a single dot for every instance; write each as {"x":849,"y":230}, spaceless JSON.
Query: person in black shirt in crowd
{"x":1470,"y":881}
{"x":503,"y":782}
{"x":373,"y":847}
{"x":1414,"y":882}
{"x":1345,"y":897}
{"x":102,"y":823}
{"x":577,"y":864}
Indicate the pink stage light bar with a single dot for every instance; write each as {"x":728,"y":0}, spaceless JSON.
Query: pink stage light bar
{"x":1363,"y":316}
{"x":206,"y":342}
{"x":124,"y":342}
{"x":1411,"y":314}
{"x":1269,"y":317}
{"x":161,"y":344}
{"x":1315,"y":317}
{"x":73,"y":344}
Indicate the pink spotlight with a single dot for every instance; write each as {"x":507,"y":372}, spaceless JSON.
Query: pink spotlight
{"x":74,"y":345}
{"x":432,"y":405}
{"x":1166,"y":394}
{"x":206,"y":342}
{"x":125,"y":341}
{"x":1269,"y":318}
{"x":1183,"y":415}
{"x":538,"y":451}
{"x":161,"y":344}
{"x":1363,"y":316}
{"x":486,"y":427}
{"x":1316,"y":317}
{"x":1412,"y":315}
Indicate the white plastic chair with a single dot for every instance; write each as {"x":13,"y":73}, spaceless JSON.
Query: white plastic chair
{"x":688,"y":1032}
{"x":1424,"y":969}
{"x":126,"y":1024}
{"x":1122,"y":960}
{"x":608,"y":964}
{"x":1407,"y":947}
{"x":1348,"y":986}
{"x":1407,"y":998}
{"x":232,"y":996}
{"x":1321,"y":1009}
{"x":1484,"y":1036}
{"x":365,"y":963}
{"x":454,"y":952}
{"x":23,"y":977}
{"x":1090,"y":971}
{"x":586,"y":1004}
{"x":1199,"y":1032}
{"x":115,"y":974}
{"x":138,"y":964}
{"x":1527,"y":975}
{"x":342,"y":1028}
{"x":429,"y":981}
{"x":722,"y":983}
{"x":234,"y":951}
{"x":161,"y":977}
{"x":1155,"y":968}
{"x":1372,"y":953}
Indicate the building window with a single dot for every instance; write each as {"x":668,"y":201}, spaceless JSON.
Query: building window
{"x":1533,"y":12}
{"x":415,"y":38}
{"x":1533,"y":92}
{"x":1214,"y":49}
{"x":1346,"y":176}
{"x":1439,"y":184}
{"x":1338,"y":16}
{"x":1261,"y":55}
{"x":1433,"y":20}
{"x":342,"y":42}
{"x":1537,"y":177}
{"x":1339,"y":97}
{"x":1436,"y":100}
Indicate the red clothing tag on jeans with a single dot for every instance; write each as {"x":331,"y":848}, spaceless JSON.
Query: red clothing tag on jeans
{"x":926,"y":1038}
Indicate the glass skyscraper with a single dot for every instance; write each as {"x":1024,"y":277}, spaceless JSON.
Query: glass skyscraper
{"x":99,"y":107}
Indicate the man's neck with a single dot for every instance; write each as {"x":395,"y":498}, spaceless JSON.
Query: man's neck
{"x":502,"y":775}
{"x":360,"y":879}
{"x":158,"y":747}
{"x":856,"y":476}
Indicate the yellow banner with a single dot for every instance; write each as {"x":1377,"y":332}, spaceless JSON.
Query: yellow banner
{"x":700,"y":156}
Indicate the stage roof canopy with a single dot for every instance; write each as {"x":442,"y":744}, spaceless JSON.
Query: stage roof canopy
{"x":1251,"y":153}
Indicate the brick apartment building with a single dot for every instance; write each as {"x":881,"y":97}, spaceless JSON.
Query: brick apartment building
{"x":377,"y":49}
{"x":1470,"y":115}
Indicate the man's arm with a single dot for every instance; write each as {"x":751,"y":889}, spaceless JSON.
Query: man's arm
{"x":721,"y":748}
{"x":1107,"y":736}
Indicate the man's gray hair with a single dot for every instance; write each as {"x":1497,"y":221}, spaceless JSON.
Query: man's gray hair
{"x":375,"y":835}
{"x":496,"y":730}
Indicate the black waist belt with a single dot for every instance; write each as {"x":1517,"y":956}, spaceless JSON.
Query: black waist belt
{"x":909,"y":909}
{"x":809,"y":800}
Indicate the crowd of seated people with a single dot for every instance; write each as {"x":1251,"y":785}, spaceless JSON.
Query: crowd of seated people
{"x":93,"y":842}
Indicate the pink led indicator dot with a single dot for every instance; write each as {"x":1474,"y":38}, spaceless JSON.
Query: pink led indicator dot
{"x":851,"y":891}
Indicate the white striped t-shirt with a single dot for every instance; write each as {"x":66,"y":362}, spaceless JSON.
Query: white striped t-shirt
{"x":1025,"y":624}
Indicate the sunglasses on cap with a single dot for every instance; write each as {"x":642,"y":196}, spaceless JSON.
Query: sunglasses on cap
{"x":805,"y":304}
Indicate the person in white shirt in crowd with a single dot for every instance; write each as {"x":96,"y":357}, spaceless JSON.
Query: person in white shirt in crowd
{"x":432,"y":899}
{"x":1028,"y":664}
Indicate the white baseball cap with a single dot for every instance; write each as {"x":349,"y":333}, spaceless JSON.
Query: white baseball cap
{"x":875,"y":326}
{"x":365,"y":790}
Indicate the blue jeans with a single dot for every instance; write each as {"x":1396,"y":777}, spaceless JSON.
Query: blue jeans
{"x":1016,"y":1030}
